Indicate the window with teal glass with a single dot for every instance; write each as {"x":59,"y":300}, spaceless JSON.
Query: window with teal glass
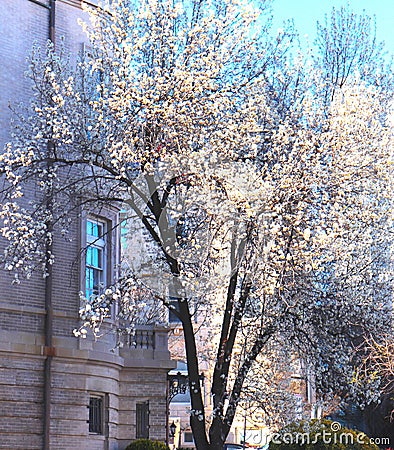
{"x":95,"y":257}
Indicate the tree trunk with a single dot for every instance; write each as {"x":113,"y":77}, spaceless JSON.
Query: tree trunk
{"x":197,"y":414}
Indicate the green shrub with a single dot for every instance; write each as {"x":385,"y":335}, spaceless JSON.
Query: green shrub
{"x":320,"y":435}
{"x":146,"y":444}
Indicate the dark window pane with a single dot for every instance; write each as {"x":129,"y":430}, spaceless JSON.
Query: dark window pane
{"x":188,"y":437}
{"x":93,"y":281}
{"x":96,"y":415}
{"x":142,"y":420}
{"x":172,"y":317}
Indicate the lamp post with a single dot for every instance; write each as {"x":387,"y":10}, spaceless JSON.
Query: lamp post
{"x":177,"y":383}
{"x":172,"y":429}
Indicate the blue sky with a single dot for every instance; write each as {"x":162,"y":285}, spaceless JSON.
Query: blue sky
{"x":306,"y":12}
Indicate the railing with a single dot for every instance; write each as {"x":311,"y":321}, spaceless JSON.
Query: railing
{"x":148,"y":337}
{"x":142,"y":339}
{"x":147,"y":345}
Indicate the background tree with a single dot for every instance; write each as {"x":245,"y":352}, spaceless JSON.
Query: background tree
{"x":378,"y":363}
{"x":347,"y":45}
{"x":272,"y":221}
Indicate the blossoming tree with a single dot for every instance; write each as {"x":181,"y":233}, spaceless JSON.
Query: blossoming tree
{"x":273,"y":220}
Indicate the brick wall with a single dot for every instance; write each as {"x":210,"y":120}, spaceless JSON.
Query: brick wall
{"x":134,"y":390}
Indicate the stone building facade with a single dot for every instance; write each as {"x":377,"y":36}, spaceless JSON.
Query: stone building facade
{"x":58,"y":391}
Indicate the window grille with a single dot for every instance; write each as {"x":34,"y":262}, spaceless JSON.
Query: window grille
{"x":142,"y":420}
{"x":96,"y":415}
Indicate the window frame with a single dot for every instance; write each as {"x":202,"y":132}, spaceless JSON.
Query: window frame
{"x":112,"y":254}
{"x":102,"y":243}
{"x":186,"y":435}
